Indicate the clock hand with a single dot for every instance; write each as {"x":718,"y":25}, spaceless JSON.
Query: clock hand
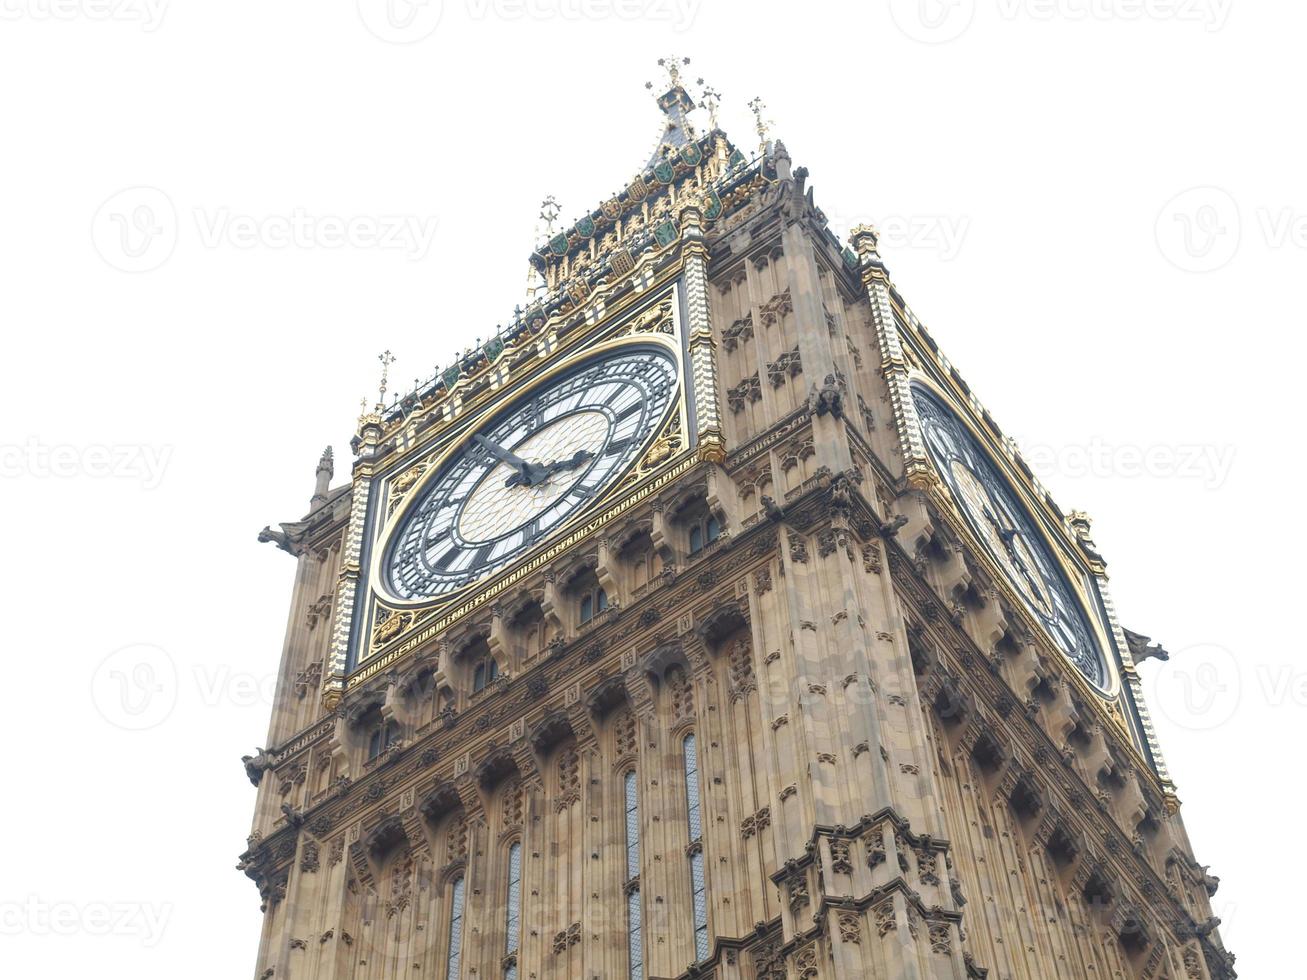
{"x":1008,"y":536}
{"x":579,"y":459}
{"x":528,"y":474}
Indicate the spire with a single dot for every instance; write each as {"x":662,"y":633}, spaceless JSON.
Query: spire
{"x":712,"y":100}
{"x":763,"y":125}
{"x":549,"y":212}
{"x":326,"y":469}
{"x":676,"y":105}
{"x":387,"y":359}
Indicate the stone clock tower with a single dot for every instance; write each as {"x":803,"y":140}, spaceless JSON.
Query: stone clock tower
{"x":704,"y":624}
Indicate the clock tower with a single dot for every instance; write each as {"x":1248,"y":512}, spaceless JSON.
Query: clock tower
{"x":704,"y":623}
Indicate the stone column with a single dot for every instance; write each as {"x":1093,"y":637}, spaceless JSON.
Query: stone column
{"x":702,"y":345}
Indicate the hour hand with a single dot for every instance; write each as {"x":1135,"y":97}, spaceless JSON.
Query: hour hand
{"x":527,"y":474}
{"x":579,"y":459}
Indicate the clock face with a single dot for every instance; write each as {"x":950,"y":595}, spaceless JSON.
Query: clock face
{"x":1008,"y":532}
{"x":548,"y":456}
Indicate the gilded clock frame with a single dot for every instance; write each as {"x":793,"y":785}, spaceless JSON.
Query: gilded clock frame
{"x":424,"y":618}
{"x":1076,"y":577}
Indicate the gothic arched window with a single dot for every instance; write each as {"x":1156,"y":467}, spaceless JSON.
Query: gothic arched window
{"x":513,"y":924}
{"x":634,"y":916}
{"x":593,"y":603}
{"x":698,"y":881}
{"x":704,"y":531}
{"x":454,"y":960}
{"x":383,"y":735}
{"x":484,"y":674}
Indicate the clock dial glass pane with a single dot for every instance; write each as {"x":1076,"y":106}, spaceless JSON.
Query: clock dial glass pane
{"x":1009,"y":534}
{"x":548,"y":456}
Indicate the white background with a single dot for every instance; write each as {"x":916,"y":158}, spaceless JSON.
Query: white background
{"x":1028,"y":162}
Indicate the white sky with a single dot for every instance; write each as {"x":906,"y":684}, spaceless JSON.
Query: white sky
{"x":1030,"y":162}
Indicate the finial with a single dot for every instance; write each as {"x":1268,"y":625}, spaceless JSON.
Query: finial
{"x":711,"y":99}
{"x":672,"y":65}
{"x":326,"y":468}
{"x":763,"y":126}
{"x":387,"y":359}
{"x":549,"y":212}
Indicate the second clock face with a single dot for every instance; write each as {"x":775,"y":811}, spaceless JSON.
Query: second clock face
{"x":548,"y":456}
{"x":1008,"y":532}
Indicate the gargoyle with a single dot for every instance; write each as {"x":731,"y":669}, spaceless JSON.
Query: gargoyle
{"x":890,"y":528}
{"x":293,"y":817}
{"x":828,"y":398}
{"x":256,"y":765}
{"x":771,"y":508}
{"x":1142,"y":648}
{"x":280,"y":538}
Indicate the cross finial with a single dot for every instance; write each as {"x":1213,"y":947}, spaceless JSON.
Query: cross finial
{"x":387,"y":359}
{"x":672,"y":65}
{"x":711,"y":99}
{"x":763,"y":126}
{"x":549,"y":211}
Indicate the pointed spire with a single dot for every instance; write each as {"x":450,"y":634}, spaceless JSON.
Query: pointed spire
{"x":672,"y":65}
{"x":676,"y":105}
{"x":387,"y":359}
{"x":326,"y":469}
{"x":544,"y":231}
{"x":711,"y":100}
{"x":763,"y":126}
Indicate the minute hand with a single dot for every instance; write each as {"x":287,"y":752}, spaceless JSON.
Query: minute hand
{"x":527,"y":473}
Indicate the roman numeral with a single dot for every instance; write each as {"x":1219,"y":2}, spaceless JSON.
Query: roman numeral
{"x":444,"y":561}
{"x":627,"y":412}
{"x":618,"y":446}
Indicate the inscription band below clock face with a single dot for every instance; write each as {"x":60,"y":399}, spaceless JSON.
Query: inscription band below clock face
{"x":547,"y":457}
{"x":1008,"y":532}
